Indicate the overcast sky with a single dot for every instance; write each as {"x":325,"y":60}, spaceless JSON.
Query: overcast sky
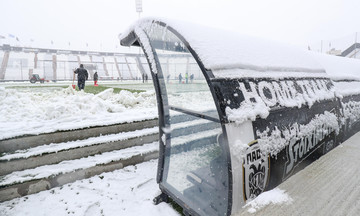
{"x":98,"y":22}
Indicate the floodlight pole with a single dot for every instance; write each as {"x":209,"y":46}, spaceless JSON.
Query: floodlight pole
{"x":321,"y":46}
{"x":138,"y":5}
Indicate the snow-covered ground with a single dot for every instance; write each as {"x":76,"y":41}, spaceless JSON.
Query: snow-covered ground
{"x":326,"y":187}
{"x":25,"y":110}
{"x":129,"y":191}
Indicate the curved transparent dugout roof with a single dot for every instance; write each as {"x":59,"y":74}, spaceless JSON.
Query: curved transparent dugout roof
{"x":195,"y":168}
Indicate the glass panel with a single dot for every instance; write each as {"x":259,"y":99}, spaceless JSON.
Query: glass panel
{"x":195,"y":169}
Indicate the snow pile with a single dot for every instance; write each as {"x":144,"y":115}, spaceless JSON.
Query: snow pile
{"x":27,"y":111}
{"x":275,"y":197}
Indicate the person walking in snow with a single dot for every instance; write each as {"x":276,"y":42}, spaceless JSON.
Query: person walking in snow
{"x":96,"y":76}
{"x":82,"y":75}
{"x":180,"y":78}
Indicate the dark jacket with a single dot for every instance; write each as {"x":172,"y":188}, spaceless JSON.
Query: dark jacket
{"x":82,"y":73}
{"x":96,"y":76}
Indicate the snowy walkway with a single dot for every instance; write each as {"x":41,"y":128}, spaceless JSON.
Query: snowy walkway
{"x":329,"y":186}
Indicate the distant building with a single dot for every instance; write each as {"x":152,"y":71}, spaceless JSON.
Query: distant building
{"x":352,"y":52}
{"x":334,"y":51}
{"x":20,"y":63}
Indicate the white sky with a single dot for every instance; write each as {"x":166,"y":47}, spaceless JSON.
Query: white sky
{"x":98,"y":22}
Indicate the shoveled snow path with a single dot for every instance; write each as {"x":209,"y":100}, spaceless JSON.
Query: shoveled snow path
{"x":329,"y":186}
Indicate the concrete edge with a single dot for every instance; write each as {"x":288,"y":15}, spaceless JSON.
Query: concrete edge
{"x":20,"y":143}
{"x":7,"y":167}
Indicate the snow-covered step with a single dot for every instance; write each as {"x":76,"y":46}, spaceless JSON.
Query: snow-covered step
{"x":30,"y":141}
{"x":41,"y":178}
{"x":25,"y":142}
{"x":31,"y":181}
{"x":57,"y":152}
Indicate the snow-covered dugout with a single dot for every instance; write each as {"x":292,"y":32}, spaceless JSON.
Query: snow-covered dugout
{"x":256,"y":112}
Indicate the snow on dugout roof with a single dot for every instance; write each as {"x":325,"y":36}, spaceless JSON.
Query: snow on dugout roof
{"x":233,"y":55}
{"x":339,"y":68}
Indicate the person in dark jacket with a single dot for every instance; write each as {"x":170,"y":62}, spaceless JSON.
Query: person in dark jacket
{"x":82,"y":75}
{"x":191,"y":78}
{"x":96,"y":76}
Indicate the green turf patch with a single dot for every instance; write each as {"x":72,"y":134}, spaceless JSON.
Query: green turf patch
{"x":88,"y":88}
{"x":97,"y":89}
{"x":176,"y":206}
